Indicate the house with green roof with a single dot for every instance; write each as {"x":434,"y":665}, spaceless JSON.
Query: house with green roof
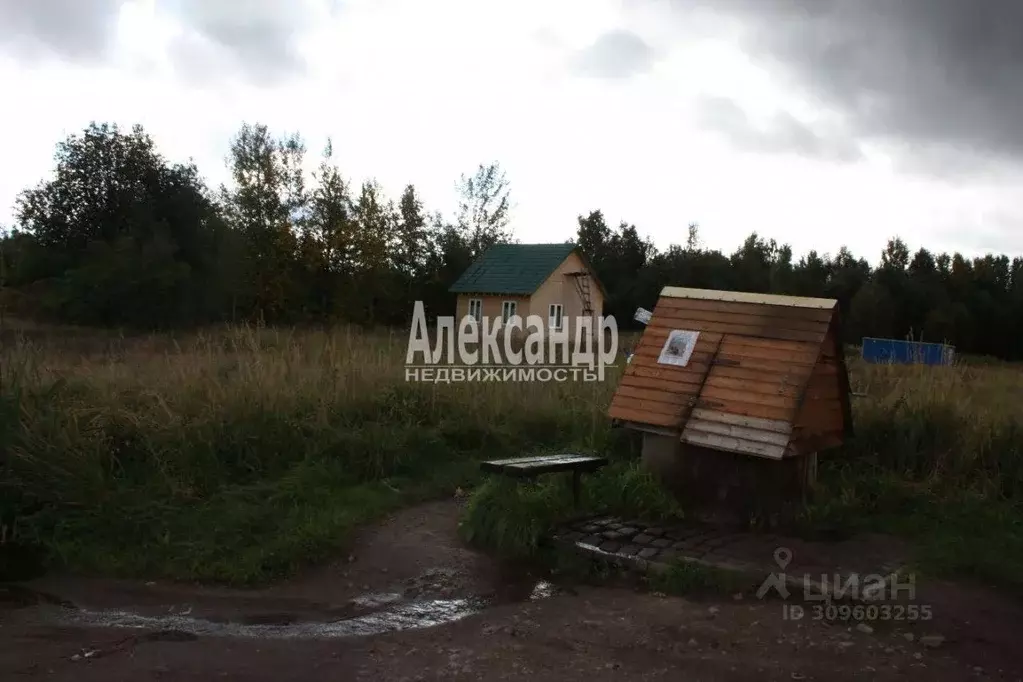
{"x":552,"y":281}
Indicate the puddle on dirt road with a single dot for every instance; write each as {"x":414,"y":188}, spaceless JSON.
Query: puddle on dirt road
{"x":404,"y":617}
{"x":392,"y":614}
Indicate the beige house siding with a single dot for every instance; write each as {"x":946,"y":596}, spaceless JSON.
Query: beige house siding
{"x":558,"y":288}
{"x":492,"y":306}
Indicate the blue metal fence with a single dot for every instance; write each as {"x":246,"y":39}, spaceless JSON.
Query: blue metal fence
{"x":893,"y":351}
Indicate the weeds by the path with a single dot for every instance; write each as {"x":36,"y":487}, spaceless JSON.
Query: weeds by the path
{"x":511,"y":517}
{"x":937,"y":458}
{"x":240,"y":454}
{"x":238,"y":457}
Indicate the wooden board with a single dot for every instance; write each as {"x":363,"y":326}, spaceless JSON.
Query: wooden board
{"x":625,"y":412}
{"x":534,"y":466}
{"x":738,"y":307}
{"x":694,"y":435}
{"x":744,"y":319}
{"x":725,"y":316}
{"x":821,"y":420}
{"x":757,"y":331}
{"x":737,"y":433}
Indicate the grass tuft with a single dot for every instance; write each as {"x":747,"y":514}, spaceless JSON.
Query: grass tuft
{"x":510,"y":517}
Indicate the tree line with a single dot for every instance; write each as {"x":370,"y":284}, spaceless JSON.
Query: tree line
{"x":120,"y":237}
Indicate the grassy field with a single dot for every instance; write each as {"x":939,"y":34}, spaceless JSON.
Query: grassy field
{"x":239,"y":455}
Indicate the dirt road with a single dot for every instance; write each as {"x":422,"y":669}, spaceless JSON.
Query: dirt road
{"x":412,"y":604}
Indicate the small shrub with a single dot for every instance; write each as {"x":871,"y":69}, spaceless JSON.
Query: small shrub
{"x":510,"y":517}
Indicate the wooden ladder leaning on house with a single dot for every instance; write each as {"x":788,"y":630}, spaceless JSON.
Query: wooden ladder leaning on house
{"x":582,"y":285}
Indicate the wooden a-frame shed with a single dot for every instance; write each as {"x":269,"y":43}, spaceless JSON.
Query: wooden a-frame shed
{"x":751,"y":374}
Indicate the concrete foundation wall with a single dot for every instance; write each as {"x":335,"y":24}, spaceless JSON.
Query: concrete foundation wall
{"x":662,"y":455}
{"x":725,"y":484}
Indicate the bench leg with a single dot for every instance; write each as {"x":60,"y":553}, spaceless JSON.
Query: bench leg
{"x":576,"y":475}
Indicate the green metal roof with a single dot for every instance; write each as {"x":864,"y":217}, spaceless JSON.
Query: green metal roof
{"x":512,"y":269}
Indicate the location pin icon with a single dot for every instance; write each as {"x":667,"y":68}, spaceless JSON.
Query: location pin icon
{"x":782,"y":557}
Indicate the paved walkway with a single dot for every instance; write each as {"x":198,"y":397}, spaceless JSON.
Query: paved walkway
{"x":866,"y":562}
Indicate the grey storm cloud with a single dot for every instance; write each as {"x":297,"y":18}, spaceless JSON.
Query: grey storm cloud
{"x":77,"y":30}
{"x":783,"y":133}
{"x":935,"y":73}
{"x":615,"y":54}
{"x":258,"y":37}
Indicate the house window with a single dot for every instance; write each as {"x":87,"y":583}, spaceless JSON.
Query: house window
{"x":476,"y":309}
{"x":508,"y":310}
{"x":555,"y":316}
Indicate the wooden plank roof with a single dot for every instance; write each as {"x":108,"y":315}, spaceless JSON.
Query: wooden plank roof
{"x":740,"y":381}
{"x":749,"y":297}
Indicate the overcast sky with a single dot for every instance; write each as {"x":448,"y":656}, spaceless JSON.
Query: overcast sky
{"x":816,"y":122}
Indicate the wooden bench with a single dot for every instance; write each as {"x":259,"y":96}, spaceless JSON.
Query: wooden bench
{"x":531,"y":467}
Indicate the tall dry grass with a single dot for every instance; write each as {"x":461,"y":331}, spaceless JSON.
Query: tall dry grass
{"x":168,"y":454}
{"x":237,"y":454}
{"x":938,"y":458}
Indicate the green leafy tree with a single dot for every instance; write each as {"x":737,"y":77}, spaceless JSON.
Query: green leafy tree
{"x":329,"y":240}
{"x":484,"y":207}
{"x":267,"y":205}
{"x":119,"y":226}
{"x":120,"y":237}
{"x":752,"y":263}
{"x":413,"y":250}
{"x":374,"y":242}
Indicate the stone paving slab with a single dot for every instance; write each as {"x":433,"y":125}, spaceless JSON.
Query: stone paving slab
{"x":864,"y":568}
